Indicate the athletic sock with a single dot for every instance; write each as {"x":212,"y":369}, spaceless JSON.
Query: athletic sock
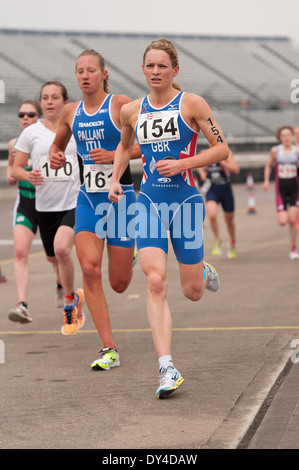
{"x":72,"y":298}
{"x":165,"y":361}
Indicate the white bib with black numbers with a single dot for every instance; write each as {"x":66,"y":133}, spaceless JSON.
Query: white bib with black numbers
{"x":97,"y":177}
{"x":287,"y":170}
{"x":158,"y":126}
{"x":62,"y":174}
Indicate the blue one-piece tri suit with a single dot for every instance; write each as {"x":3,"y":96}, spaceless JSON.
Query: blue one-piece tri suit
{"x":220,"y":190}
{"x":173,"y":204}
{"x":94,"y":212}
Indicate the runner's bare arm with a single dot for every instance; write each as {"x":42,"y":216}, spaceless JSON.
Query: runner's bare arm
{"x":268,"y":167}
{"x":19,"y":172}
{"x":11,"y":155}
{"x":231,"y":164}
{"x":63,"y":135}
{"x":124,"y":149}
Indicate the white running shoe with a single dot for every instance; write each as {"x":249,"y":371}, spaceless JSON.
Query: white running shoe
{"x":19,"y":314}
{"x":293,"y":254}
{"x":213,"y":281}
{"x":170,"y":380}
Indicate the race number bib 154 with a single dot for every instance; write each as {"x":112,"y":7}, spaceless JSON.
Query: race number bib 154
{"x":62,"y":174}
{"x":157,"y":127}
{"x":97,"y":177}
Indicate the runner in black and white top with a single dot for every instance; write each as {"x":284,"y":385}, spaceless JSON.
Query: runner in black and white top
{"x":285,"y":158}
{"x":56,"y":196}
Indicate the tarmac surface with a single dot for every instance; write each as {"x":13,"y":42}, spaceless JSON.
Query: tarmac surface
{"x":236,"y":349}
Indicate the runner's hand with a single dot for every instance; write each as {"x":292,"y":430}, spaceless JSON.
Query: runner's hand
{"x":57,"y":160}
{"x":101,"y":156}
{"x":115,"y":192}
{"x":168,"y":167}
{"x":35,"y":177}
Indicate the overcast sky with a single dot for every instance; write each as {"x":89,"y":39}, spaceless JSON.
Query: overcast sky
{"x":215,"y":17}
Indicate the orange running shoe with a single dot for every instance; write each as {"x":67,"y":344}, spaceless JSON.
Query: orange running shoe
{"x":70,"y":322}
{"x":73,"y":315}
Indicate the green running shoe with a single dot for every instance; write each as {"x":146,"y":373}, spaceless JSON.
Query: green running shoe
{"x":232,"y":254}
{"x":170,"y":380}
{"x":135,"y":258}
{"x":108,"y":358}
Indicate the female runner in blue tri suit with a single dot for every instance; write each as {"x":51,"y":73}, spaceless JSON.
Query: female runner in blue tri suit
{"x":166,"y":123}
{"x":95,"y":124}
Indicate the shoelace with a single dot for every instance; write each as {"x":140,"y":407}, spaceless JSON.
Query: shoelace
{"x":105,"y":351}
{"x":165,"y":374}
{"x":68,"y":312}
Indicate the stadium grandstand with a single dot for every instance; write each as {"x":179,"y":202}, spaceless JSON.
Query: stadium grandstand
{"x":246,"y":80}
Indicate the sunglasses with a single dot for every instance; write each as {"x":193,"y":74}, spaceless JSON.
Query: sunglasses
{"x":30,"y":114}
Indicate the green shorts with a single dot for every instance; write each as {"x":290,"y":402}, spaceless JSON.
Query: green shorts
{"x":26,"y":214}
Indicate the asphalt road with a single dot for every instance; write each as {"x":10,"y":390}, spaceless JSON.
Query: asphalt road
{"x":232,"y":347}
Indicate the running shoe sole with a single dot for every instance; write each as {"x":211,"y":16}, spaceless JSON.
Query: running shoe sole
{"x":107,"y":364}
{"x":18,"y":317}
{"x":164,"y":393}
{"x":98,"y":367}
